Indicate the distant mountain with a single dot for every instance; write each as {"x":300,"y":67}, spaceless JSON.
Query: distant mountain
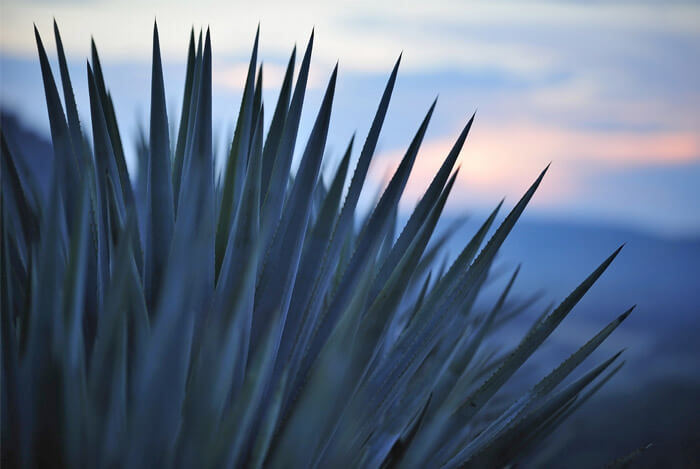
{"x":661,"y":276}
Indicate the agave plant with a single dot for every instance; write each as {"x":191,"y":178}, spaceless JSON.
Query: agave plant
{"x":254,"y":318}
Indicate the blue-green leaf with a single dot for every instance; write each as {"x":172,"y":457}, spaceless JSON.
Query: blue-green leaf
{"x":160,"y":211}
{"x":237,"y":158}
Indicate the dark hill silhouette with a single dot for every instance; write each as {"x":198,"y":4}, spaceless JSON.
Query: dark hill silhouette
{"x":35,"y":150}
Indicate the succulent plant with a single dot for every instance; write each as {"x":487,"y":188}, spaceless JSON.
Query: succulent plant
{"x":254,"y":318}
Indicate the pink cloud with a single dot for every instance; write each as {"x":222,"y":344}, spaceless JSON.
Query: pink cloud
{"x":502,"y":161}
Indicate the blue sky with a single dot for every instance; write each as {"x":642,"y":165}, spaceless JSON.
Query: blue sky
{"x":607,"y":91}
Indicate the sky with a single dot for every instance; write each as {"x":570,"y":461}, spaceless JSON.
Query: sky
{"x":608,"y":92}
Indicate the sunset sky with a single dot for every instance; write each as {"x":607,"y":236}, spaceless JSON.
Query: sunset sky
{"x":609,"y":92}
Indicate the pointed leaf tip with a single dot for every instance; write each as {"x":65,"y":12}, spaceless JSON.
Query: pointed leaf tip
{"x":430,"y":112}
{"x":624,"y":315}
{"x":544,"y":171}
{"x":334,"y":76}
{"x":617,"y":251}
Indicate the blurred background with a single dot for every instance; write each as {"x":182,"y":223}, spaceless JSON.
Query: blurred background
{"x":609,"y":92}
